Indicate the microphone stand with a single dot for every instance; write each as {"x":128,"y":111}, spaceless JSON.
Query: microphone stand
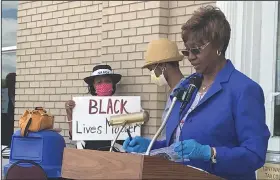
{"x":161,"y":126}
{"x":118,"y":134}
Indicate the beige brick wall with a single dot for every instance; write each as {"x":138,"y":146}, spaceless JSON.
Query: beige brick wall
{"x":179,"y":13}
{"x":60,"y":41}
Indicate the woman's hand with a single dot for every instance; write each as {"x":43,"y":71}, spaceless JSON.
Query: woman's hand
{"x":190,"y":149}
{"x":137,"y":144}
{"x":69,"y":105}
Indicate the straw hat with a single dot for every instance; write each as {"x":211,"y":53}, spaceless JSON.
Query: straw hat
{"x":160,"y":51}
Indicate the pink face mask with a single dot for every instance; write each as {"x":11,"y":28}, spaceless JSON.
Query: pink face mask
{"x":104,"y":89}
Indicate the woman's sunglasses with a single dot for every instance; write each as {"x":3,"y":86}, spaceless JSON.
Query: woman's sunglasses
{"x":194,"y":51}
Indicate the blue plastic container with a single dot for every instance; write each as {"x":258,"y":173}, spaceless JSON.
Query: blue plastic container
{"x":44,"y":147}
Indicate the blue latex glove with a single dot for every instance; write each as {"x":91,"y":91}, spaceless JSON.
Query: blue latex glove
{"x":190,"y":149}
{"x":137,"y":144}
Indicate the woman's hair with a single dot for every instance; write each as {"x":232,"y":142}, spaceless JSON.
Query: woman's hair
{"x":91,"y":89}
{"x":207,"y":24}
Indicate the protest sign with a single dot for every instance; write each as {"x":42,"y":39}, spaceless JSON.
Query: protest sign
{"x":91,"y":117}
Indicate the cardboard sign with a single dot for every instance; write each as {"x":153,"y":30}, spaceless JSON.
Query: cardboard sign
{"x":4,"y":100}
{"x":91,"y":117}
{"x":269,"y":171}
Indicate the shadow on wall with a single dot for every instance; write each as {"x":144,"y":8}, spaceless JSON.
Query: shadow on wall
{"x":7,"y":118}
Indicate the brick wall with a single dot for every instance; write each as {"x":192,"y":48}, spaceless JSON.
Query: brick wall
{"x":179,"y":13}
{"x":59,"y":42}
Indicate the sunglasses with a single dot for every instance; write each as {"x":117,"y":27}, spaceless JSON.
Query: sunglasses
{"x":194,"y":51}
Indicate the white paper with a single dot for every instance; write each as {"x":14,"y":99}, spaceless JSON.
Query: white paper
{"x":167,"y":153}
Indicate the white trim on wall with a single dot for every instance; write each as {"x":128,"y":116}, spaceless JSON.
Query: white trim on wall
{"x":252,"y":48}
{"x":10,"y":48}
{"x":244,"y":49}
{"x":268,"y":64}
{"x":233,"y":12}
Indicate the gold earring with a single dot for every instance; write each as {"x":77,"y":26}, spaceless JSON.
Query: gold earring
{"x":219,"y":52}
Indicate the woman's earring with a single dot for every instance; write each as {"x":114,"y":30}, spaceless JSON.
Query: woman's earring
{"x":218,"y":52}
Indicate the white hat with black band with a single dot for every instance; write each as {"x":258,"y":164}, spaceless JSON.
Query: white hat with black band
{"x":102,"y":70}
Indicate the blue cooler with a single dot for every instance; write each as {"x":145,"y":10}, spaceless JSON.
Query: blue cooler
{"x":44,"y":148}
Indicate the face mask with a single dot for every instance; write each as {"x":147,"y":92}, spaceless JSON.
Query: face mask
{"x":160,"y":81}
{"x":104,"y":89}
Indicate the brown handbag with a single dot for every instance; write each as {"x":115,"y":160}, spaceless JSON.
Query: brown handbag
{"x":35,"y":120}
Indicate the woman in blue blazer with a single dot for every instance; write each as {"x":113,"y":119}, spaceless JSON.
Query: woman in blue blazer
{"x":222,"y":130}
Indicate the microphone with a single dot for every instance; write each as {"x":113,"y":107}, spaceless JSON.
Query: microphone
{"x":195,"y":83}
{"x":124,"y":119}
{"x":181,"y":95}
{"x":139,"y":117}
{"x":177,"y":95}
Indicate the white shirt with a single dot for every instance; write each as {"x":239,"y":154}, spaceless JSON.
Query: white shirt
{"x":167,"y":106}
{"x":198,"y":97}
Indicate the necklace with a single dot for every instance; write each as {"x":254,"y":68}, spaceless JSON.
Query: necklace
{"x":204,"y":88}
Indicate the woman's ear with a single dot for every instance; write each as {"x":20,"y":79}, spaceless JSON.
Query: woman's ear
{"x":165,"y":69}
{"x":163,"y":66}
{"x":219,"y":50}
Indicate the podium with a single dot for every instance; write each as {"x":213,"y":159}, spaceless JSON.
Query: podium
{"x":91,"y":164}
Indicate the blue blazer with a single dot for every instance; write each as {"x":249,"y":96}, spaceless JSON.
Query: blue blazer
{"x":231,"y":118}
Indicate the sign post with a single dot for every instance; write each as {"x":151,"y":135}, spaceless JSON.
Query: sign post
{"x":91,"y":117}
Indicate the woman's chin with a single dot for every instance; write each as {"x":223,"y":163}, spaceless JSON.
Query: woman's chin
{"x":199,"y":71}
